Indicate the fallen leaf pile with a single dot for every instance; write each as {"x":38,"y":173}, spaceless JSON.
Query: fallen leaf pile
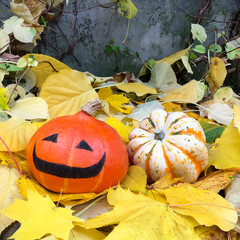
{"x":134,"y":209}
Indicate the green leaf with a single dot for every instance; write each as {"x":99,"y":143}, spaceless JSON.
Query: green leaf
{"x":212,"y":132}
{"x":198,"y":32}
{"x":199,"y":49}
{"x":10,"y":67}
{"x":231,"y":53}
{"x":117,"y":49}
{"x":186,"y":64}
{"x":44,"y":21}
{"x":137,"y":54}
{"x":218,"y":48}
{"x":33,"y":31}
{"x":192,"y":56}
{"x":22,"y":62}
{"x":151,"y":62}
{"x":108,"y":50}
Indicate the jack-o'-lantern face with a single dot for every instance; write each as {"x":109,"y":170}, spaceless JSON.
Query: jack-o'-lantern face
{"x":63,"y":156}
{"x":63,"y":170}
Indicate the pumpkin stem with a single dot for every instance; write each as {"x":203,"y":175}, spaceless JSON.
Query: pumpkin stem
{"x":159,"y":134}
{"x":91,"y":107}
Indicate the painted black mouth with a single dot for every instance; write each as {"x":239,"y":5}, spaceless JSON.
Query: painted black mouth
{"x":64,"y":171}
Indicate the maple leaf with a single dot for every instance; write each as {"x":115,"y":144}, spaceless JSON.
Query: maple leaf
{"x":140,"y":217}
{"x":29,"y":183}
{"x":116,"y":101}
{"x":122,"y":129}
{"x":206,"y":207}
{"x":39,"y":216}
{"x":136,"y":179}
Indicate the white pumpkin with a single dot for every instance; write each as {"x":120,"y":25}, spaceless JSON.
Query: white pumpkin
{"x":169,"y":142}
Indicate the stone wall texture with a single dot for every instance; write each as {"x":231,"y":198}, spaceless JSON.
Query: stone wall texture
{"x":79,"y":35}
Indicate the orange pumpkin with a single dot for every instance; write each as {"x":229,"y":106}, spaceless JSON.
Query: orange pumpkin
{"x":77,"y":154}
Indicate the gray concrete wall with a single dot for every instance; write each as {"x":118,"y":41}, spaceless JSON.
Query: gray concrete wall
{"x":158,"y":30}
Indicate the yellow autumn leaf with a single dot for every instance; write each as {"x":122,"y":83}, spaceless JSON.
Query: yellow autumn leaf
{"x":30,"y":108}
{"x":136,"y":179}
{"x":192,"y":91}
{"x":204,"y":206}
{"x":236,"y":117}
{"x":6,"y":159}
{"x":3,"y":99}
{"x":44,"y":70}
{"x":27,"y":183}
{"x":210,"y":233}
{"x":30,"y":13}
{"x":170,"y":60}
{"x":3,"y":72}
{"x":174,"y":57}
{"x":216,"y":181}
{"x":16,"y":133}
{"x":116,"y":101}
{"x":140,"y":217}
{"x":9,"y":191}
{"x":226,"y":151}
{"x":137,"y":87}
{"x":85,"y":234}
{"x":122,"y":129}
{"x":126,"y":8}
{"x":163,"y":78}
{"x":223,"y":95}
{"x":172,"y":107}
{"x":79,"y":233}
{"x":164,"y":182}
{"x":39,"y":216}
{"x":217,"y":74}
{"x":66,"y":92}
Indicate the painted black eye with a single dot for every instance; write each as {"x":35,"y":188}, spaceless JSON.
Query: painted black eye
{"x":51,"y":138}
{"x":84,"y":145}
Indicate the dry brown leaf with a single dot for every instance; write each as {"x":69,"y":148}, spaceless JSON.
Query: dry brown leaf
{"x":217,"y":74}
{"x":216,"y":181}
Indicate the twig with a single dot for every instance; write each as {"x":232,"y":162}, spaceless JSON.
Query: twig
{"x":11,"y":156}
{"x":202,"y":18}
{"x":5,"y":4}
{"x":49,"y":64}
{"x":18,"y":81}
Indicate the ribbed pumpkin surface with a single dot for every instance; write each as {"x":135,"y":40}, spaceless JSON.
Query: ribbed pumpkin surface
{"x":170,"y":142}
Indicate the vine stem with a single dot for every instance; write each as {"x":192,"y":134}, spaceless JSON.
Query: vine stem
{"x":17,"y":83}
{"x":11,"y":156}
{"x":127,"y":31}
{"x":49,"y":64}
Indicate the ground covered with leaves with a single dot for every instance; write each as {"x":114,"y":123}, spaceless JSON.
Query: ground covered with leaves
{"x":36,"y":88}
